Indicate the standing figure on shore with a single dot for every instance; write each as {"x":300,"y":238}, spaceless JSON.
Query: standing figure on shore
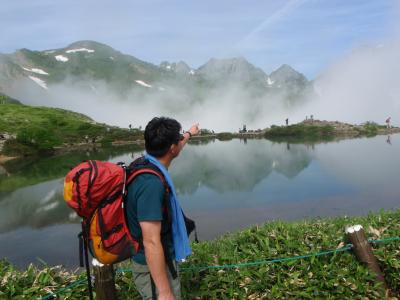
{"x":388,"y":125}
{"x":287,"y":121}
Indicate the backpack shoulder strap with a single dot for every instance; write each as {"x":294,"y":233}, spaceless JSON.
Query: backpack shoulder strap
{"x":142,"y":166}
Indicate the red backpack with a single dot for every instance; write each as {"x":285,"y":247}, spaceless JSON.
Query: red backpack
{"x":96,"y":190}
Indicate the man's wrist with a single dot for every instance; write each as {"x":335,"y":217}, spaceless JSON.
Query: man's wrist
{"x":190,"y":135}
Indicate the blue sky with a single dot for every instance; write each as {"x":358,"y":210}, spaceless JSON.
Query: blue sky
{"x":307,"y":34}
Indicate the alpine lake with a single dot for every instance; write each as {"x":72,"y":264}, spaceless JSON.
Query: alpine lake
{"x":223,"y":185}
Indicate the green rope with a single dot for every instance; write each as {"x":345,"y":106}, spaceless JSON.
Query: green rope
{"x":384,"y":240}
{"x":270,"y":261}
{"x":238,"y":265}
{"x":70,"y":286}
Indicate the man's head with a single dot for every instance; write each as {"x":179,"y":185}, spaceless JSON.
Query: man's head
{"x":160,"y":136}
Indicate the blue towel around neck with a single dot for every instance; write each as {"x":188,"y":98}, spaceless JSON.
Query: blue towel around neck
{"x":179,"y":233}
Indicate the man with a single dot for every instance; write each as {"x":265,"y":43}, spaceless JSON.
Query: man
{"x":154,"y":267}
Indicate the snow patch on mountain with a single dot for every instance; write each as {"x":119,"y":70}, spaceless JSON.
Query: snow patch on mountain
{"x":112,"y":58}
{"x":269,"y":81}
{"x":35,"y":70}
{"x":61,"y":58}
{"x":39,"y":81}
{"x":191,"y":72}
{"x":79,"y":50}
{"x":142,"y":83}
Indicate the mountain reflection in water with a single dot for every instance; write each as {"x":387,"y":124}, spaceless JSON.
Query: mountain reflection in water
{"x":223,"y":185}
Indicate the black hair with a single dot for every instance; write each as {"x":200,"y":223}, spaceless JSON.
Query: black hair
{"x":160,"y":133}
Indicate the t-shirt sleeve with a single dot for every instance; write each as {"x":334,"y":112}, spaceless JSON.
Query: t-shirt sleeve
{"x":150,"y":198}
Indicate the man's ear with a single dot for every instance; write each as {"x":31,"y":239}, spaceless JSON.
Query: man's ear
{"x":173,"y":149}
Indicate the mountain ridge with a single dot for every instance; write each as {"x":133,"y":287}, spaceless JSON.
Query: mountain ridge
{"x":90,"y":74}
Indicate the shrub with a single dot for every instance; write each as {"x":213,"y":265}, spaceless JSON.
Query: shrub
{"x":38,"y":138}
{"x":224,"y":136}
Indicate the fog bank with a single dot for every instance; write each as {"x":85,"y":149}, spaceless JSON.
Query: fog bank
{"x":363,"y":86}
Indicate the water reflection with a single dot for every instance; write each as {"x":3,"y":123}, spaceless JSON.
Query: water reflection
{"x":33,"y":170}
{"x":220,"y":166}
{"x":223,"y":185}
{"x":235,"y":166}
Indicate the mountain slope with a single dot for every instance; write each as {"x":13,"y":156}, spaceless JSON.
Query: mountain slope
{"x":85,"y":61}
{"x":112,"y":87}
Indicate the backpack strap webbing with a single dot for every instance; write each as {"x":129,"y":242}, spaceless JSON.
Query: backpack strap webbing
{"x":86,"y":256}
{"x":145,"y":167}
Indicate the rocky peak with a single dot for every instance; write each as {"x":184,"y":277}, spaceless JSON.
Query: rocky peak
{"x":180,"y":67}
{"x":237,"y":68}
{"x":285,"y":74}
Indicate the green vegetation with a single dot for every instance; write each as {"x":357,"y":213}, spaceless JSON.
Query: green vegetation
{"x":41,"y":129}
{"x":225,"y":136}
{"x":4,"y":99}
{"x":369,"y":128}
{"x":306,"y":132}
{"x":338,"y":276}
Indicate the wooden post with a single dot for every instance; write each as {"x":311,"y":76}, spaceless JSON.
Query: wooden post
{"x":363,"y":250}
{"x":104,"y":283}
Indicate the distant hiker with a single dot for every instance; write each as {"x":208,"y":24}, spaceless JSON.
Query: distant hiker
{"x":163,"y":231}
{"x":130,"y":126}
{"x":93,"y":139}
{"x":287,"y":121}
{"x":388,"y":125}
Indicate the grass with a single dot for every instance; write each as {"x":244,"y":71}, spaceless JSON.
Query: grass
{"x":300,"y":131}
{"x":326,"y":277}
{"x":41,"y":129}
{"x":225,"y":136}
{"x":369,"y":129}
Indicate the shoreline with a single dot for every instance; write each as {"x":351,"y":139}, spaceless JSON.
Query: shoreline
{"x":338,"y":134}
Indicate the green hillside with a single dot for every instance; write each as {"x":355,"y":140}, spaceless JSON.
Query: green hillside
{"x":38,"y":129}
{"x":4,"y":99}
